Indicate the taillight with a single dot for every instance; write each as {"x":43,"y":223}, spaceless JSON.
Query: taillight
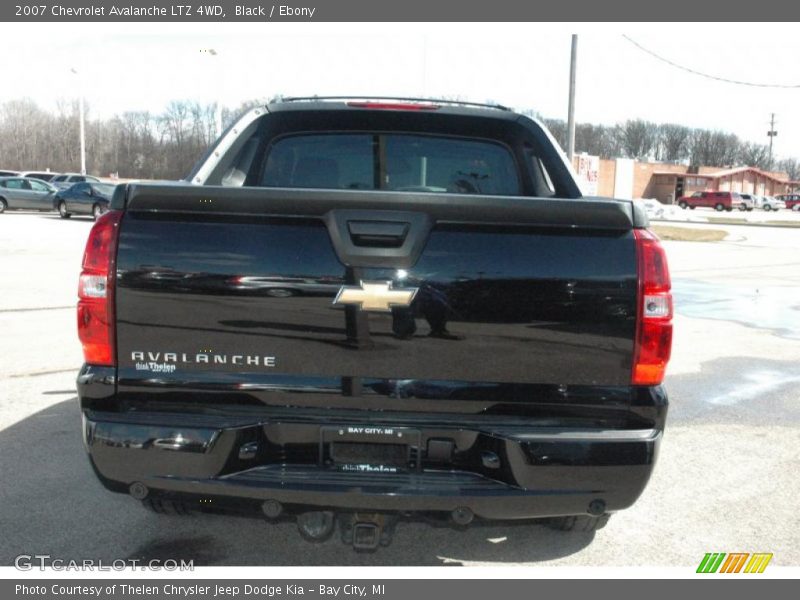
{"x":96,"y":291}
{"x":654,"y":311}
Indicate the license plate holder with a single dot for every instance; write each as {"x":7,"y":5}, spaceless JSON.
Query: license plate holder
{"x":370,"y":448}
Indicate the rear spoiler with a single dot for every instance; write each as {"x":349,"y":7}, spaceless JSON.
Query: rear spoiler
{"x":584,"y":213}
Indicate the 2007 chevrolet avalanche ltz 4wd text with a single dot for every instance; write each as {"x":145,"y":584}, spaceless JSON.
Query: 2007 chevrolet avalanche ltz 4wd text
{"x":357,"y":310}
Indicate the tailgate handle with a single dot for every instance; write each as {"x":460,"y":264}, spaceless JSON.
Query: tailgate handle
{"x":378,"y":234}
{"x":374,"y":238}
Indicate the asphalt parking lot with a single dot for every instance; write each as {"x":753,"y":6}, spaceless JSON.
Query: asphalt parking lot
{"x":726,"y":479}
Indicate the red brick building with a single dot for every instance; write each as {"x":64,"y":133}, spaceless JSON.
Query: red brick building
{"x":667,"y":186}
{"x":668,"y":182}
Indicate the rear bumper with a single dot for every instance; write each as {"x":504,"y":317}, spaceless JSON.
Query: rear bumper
{"x":496,"y":472}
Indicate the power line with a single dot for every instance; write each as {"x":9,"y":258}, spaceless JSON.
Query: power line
{"x":706,"y":75}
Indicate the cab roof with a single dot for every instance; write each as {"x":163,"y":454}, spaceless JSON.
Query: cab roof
{"x":386,"y":103}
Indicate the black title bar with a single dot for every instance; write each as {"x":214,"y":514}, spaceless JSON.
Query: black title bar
{"x":399,"y":11}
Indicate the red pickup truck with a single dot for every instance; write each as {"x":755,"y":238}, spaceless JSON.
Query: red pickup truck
{"x":716,"y":200}
{"x":792,"y":200}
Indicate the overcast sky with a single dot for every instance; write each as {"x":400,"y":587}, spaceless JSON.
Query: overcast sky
{"x":135,"y":67}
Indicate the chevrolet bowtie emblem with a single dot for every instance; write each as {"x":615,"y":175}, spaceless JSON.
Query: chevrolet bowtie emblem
{"x":375,"y":295}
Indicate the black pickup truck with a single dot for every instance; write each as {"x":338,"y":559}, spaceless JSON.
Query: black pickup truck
{"x":360,"y":310}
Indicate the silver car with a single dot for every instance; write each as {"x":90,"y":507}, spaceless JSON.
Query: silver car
{"x":65,"y":180}
{"x":25,"y":194}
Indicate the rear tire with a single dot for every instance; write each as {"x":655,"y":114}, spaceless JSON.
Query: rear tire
{"x":719,"y":207}
{"x":3,"y":205}
{"x":767,"y":207}
{"x":97,"y":211}
{"x":683,"y":205}
{"x":578,"y":522}
{"x":62,"y":210}
{"x":165,"y":507}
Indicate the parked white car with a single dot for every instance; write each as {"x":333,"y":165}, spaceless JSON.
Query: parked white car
{"x":769,"y":203}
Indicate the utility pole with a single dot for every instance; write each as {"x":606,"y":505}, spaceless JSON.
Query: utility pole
{"x":83,"y":137}
{"x":220,"y":84}
{"x":573,"y":63}
{"x":80,"y":109}
{"x":771,"y":133}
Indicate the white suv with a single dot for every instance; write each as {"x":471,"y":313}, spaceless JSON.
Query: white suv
{"x":745,"y":202}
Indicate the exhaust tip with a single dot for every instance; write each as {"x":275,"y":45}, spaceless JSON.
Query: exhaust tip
{"x":138,"y":490}
{"x":597,"y":507}
{"x":462,"y":515}
{"x":272,"y":509}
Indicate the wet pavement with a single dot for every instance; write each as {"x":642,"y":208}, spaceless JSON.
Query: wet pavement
{"x":770,"y":307}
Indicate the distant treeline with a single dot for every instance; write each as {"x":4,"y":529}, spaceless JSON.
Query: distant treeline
{"x":165,"y":145}
{"x":672,"y":143}
{"x":134,"y":144}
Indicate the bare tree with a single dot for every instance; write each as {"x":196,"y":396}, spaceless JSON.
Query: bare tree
{"x":790,"y":166}
{"x":597,"y":140}
{"x":754,"y":155}
{"x":714,"y":148}
{"x":637,"y":138}
{"x":181,"y":127}
{"x":559,"y":130}
{"x":22,"y":124}
{"x":674,"y":142}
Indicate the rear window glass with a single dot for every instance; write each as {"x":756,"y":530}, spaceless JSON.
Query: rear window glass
{"x":105,"y":189}
{"x":38,"y":186}
{"x":391,"y":162}
{"x":17,"y":184}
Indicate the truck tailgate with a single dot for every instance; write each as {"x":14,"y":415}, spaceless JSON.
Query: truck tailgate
{"x":234,"y":290}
